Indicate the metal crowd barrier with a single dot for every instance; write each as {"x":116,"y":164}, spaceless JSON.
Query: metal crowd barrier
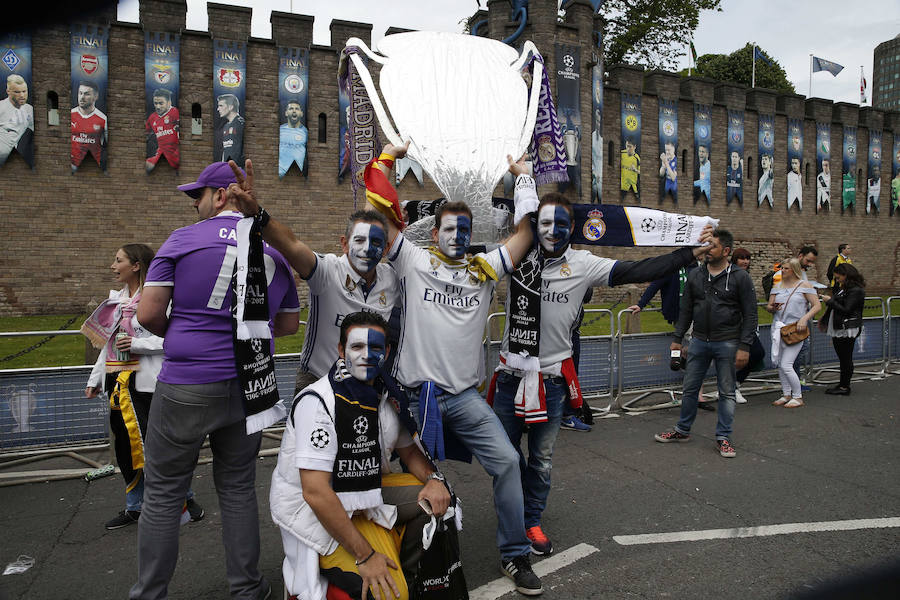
{"x":892,"y":362}
{"x":870,"y":350}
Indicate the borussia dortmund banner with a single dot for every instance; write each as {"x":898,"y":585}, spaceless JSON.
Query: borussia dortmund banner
{"x":794,"y":163}
{"x":823,"y":166}
{"x":293,"y":91}
{"x":668,"y":149}
{"x":734,"y":172}
{"x":161,"y":87}
{"x":766,"y":160}
{"x":848,"y":170}
{"x":568,"y":107}
{"x":17,"y":105}
{"x":597,"y":132}
{"x":702,"y":149}
{"x":895,"y":177}
{"x":631,"y":145}
{"x":229,"y":93}
{"x":873,"y":172}
{"x":90,"y":72}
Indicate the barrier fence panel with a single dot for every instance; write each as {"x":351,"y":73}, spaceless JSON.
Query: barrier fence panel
{"x":893,"y":350}
{"x":870,"y":349}
{"x":595,"y":364}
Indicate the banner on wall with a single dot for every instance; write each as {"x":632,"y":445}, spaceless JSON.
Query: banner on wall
{"x":362,"y":131}
{"x":734,"y":172}
{"x":161,"y":89}
{"x":794,"y":163}
{"x":293,"y":92}
{"x":630,"y":162}
{"x":873,"y":172}
{"x":668,"y":149}
{"x":343,"y":132}
{"x":702,"y":149}
{"x":895,"y":178}
{"x":90,"y":74}
{"x":766,"y":160}
{"x":229,"y":95}
{"x":17,"y":104}
{"x":823,"y":166}
{"x":848,"y":168}
{"x":568,"y":107}
{"x":597,"y":132}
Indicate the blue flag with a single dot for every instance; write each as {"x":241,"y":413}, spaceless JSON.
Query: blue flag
{"x":758,"y":55}
{"x":820,"y":64}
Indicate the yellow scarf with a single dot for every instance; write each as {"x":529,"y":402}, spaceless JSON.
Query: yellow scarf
{"x":477,"y":267}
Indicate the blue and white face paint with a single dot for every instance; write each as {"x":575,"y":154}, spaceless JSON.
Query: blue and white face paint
{"x":365,"y":352}
{"x":366,"y":246}
{"x":454,"y":234}
{"x":554,"y":227}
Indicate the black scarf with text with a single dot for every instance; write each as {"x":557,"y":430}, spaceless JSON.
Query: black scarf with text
{"x":357,"y":465}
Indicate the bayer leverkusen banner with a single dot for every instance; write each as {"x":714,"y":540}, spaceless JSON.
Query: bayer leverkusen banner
{"x":794,"y":163}
{"x":90,"y":73}
{"x":293,"y":91}
{"x":161,"y":88}
{"x":702,"y":150}
{"x":848,"y":169}
{"x":766,"y":160}
{"x":823,"y":166}
{"x":873,"y":172}
{"x":17,"y":103}
{"x":668,"y":149}
{"x":734,"y":171}
{"x":229,"y":95}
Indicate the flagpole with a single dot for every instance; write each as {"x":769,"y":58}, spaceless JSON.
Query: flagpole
{"x":809,"y":93}
{"x":753,"y":77}
{"x":690,"y":55}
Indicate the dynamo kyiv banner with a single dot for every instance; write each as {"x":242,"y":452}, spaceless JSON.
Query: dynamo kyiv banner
{"x":597,"y":149}
{"x":766,"y":160}
{"x":293,"y":92}
{"x":613,"y":225}
{"x":848,"y":169}
{"x":873,"y":172}
{"x":895,"y":179}
{"x":90,"y":74}
{"x":794,"y":163}
{"x":229,"y":93}
{"x":702,"y":149}
{"x":734,"y":172}
{"x":823,"y":166}
{"x":161,"y":89}
{"x":568,"y":107}
{"x":17,"y":105}
{"x":630,"y":161}
{"x":668,"y":149}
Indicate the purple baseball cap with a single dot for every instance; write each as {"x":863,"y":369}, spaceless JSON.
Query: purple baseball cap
{"x":217,"y":175}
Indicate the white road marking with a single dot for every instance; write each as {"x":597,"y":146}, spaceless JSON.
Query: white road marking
{"x":504,"y":585}
{"x":762,"y":530}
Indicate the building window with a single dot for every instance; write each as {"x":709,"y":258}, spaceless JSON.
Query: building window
{"x":683,"y":161}
{"x":196,"y":119}
{"x":750,"y":167}
{"x":52,"y":108}
{"x":323,"y":128}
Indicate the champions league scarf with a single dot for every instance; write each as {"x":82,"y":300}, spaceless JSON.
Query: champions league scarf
{"x":550,"y":158}
{"x":363,"y":133}
{"x":635,"y":226}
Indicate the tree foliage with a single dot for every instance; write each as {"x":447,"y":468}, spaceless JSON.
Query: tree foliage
{"x":738,"y":67}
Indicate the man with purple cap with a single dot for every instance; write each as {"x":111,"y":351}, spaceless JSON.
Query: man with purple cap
{"x":210,"y":383}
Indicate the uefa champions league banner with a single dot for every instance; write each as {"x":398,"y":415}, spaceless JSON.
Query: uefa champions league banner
{"x":895,"y":177}
{"x":161,"y":89}
{"x":794,"y":163}
{"x":568,"y":107}
{"x":630,"y":161}
{"x":702,"y":149}
{"x":613,"y":225}
{"x":734,"y":171}
{"x":90,"y":73}
{"x":766,"y":160}
{"x":668,"y":149}
{"x":823,"y":166}
{"x":873,"y":172}
{"x":293,"y":92}
{"x":597,"y":149}
{"x":848,"y":168}
{"x":17,"y":103}
{"x":229,"y":94}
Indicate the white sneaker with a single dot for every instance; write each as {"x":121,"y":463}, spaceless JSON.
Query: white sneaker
{"x":739,"y":397}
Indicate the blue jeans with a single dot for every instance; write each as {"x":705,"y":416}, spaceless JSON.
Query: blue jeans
{"x":469,"y":417}
{"x":541,"y":438}
{"x":700,"y":353}
{"x":800,"y":362}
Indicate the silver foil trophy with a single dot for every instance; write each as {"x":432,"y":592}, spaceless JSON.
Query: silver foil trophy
{"x":463,"y":104}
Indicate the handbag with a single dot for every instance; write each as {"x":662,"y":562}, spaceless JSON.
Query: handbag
{"x":790,"y":335}
{"x":440,"y":575}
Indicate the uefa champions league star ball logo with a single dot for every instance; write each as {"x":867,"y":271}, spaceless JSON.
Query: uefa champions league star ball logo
{"x":360,"y":425}
{"x":319,"y":438}
{"x":648,"y":225}
{"x":293,"y":84}
{"x":256,"y":345}
{"x":522,"y":303}
{"x":569,"y":62}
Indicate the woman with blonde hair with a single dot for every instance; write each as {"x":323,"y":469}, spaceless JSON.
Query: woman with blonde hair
{"x":792,"y":301}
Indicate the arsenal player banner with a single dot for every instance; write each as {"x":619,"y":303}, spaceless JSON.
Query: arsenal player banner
{"x":630,"y":154}
{"x":16,"y":106}
{"x":794,"y":162}
{"x":90,"y":72}
{"x":895,"y":178}
{"x":702,"y":146}
{"x":734,"y":171}
{"x":568,"y":107}
{"x":823,"y":166}
{"x":293,"y":90}
{"x":668,"y":149}
{"x":229,"y":92}
{"x":597,"y":132}
{"x":161,"y":87}
{"x":766,"y":160}
{"x":848,"y":166}
{"x":873,"y":172}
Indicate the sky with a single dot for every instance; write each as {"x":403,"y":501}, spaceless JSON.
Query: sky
{"x":836,"y":30}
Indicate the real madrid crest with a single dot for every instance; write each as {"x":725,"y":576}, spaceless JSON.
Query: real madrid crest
{"x":382,"y":299}
{"x":594,"y":227}
{"x":435,"y":263}
{"x":349,"y":284}
{"x":565,"y":270}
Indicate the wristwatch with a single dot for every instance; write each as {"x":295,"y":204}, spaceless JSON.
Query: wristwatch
{"x":438,"y":476}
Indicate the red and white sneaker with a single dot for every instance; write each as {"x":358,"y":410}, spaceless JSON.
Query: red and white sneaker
{"x":540,"y":543}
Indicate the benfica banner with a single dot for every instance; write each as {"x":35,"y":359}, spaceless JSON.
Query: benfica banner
{"x":668,"y":149}
{"x":848,"y":168}
{"x":90,"y":72}
{"x":766,"y":160}
{"x":161,"y":87}
{"x":794,"y":163}
{"x":702,"y":148}
{"x":597,"y":132}
{"x":568,"y":107}
{"x":293,"y":92}
{"x":823,"y":166}
{"x":734,"y":172}
{"x":630,"y":154}
{"x":17,"y":103}
{"x":360,"y":130}
{"x":895,"y":179}
{"x":873,"y":172}
{"x":229,"y":94}
{"x":613,"y":225}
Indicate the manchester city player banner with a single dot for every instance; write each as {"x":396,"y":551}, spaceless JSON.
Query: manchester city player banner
{"x":613,"y":225}
{"x":734,"y":171}
{"x":794,"y":163}
{"x":597,"y":132}
{"x":895,"y":179}
{"x":823,"y":166}
{"x":766,"y":160}
{"x":568,"y":107}
{"x":17,"y":104}
{"x":702,"y":149}
{"x":362,"y":130}
{"x":90,"y":72}
{"x":873,"y":172}
{"x":630,"y":162}
{"x":668,"y":149}
{"x":293,"y":91}
{"x":161,"y":87}
{"x":229,"y":93}
{"x":848,"y":168}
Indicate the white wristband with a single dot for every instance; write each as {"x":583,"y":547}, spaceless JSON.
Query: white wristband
{"x":525,"y":197}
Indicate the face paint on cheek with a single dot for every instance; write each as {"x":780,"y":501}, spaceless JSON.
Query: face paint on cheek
{"x":455,"y":235}
{"x":554,"y":227}
{"x":365,"y":352}
{"x":366,"y":246}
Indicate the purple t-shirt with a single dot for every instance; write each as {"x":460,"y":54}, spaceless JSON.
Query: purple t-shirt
{"x":198,"y":261}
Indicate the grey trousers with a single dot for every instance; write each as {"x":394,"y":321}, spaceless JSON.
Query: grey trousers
{"x":181,"y":416}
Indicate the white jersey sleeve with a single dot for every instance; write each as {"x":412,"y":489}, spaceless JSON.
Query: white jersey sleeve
{"x":314,"y":434}
{"x":599,"y":269}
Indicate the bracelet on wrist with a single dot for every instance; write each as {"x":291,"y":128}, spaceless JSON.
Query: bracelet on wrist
{"x":361,"y":562}
{"x":262,"y":217}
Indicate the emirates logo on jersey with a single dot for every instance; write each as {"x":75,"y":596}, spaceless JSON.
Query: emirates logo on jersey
{"x":230,"y":77}
{"x":89,"y":63}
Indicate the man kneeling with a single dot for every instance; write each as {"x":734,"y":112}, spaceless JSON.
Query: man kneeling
{"x":345,"y":519}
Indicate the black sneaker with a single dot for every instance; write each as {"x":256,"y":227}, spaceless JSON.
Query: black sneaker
{"x":123,"y":519}
{"x":195,"y":510}
{"x":519,"y":570}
